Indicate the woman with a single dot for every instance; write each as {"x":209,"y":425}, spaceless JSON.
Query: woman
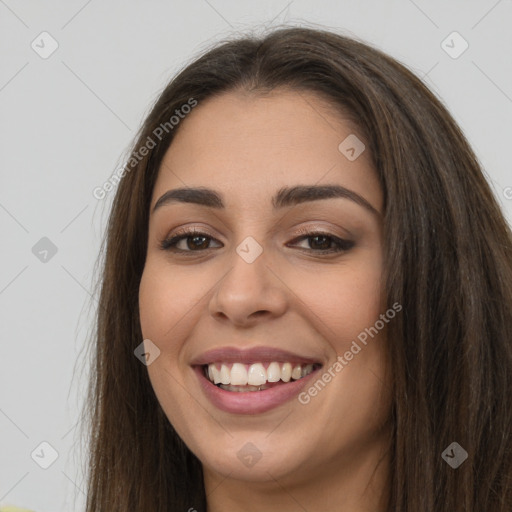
{"x":306,"y":295}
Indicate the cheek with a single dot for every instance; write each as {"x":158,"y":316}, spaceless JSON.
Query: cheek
{"x":344,"y":300}
{"x":166,"y":299}
{"x":168,"y":306}
{"x":344,"y":305}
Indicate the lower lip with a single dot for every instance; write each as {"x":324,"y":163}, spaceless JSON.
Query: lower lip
{"x":251,"y":402}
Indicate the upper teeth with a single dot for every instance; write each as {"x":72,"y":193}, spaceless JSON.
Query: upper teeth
{"x":256,"y":374}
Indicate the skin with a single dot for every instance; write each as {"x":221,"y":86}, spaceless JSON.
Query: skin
{"x":330,"y":454}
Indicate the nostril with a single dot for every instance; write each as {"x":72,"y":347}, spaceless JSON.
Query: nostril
{"x":259,"y":313}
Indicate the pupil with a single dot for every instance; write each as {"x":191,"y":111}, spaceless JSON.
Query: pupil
{"x":194,"y":245}
{"x":324,"y":245}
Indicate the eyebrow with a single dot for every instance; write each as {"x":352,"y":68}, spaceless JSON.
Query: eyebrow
{"x":285,"y":197}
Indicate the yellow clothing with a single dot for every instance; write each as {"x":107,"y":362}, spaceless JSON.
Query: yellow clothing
{"x":10,"y":508}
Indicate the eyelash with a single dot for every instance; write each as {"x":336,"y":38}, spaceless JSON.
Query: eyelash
{"x":169,"y":244}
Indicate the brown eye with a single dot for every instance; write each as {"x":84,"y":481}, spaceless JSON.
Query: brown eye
{"x":325,"y":243}
{"x":192,"y":241}
{"x":197,"y":242}
{"x":321,"y":242}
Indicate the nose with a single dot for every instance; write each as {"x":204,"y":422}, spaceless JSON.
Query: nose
{"x":248,"y":293}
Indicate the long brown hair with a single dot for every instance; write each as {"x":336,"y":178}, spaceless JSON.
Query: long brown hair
{"x":448,"y":262}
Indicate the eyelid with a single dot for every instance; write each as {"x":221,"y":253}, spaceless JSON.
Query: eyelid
{"x":319,"y":228}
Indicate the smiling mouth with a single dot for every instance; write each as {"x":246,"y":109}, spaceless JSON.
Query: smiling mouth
{"x":259,"y":376}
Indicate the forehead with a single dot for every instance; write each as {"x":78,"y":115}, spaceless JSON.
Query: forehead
{"x":248,"y":146}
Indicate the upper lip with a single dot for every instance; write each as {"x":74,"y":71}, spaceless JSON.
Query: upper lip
{"x":259,"y":354}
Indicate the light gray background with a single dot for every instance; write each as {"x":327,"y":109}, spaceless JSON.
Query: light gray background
{"x":67,"y":122}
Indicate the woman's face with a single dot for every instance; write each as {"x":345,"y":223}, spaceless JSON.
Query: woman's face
{"x":278,"y":295}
